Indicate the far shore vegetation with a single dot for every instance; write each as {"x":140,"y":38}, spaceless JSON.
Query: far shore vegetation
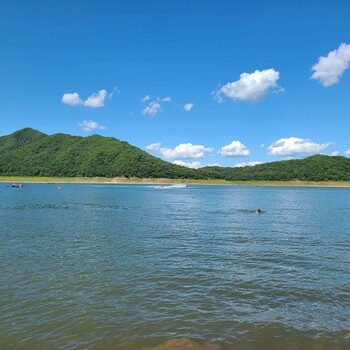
{"x":123,"y":180}
{"x":30,"y":155}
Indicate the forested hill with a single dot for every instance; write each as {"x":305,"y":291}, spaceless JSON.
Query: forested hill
{"x":314,"y":168}
{"x":28,"y":152}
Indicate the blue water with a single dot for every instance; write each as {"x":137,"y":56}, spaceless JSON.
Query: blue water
{"x":129,"y":267}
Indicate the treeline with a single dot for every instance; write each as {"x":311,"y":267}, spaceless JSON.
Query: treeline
{"x":28,"y":152}
{"x":314,"y":168}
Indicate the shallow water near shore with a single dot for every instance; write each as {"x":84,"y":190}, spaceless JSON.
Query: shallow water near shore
{"x":132,"y":267}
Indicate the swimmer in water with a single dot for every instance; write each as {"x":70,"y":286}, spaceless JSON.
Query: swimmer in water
{"x":258,"y":211}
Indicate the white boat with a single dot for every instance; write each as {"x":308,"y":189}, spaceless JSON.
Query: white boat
{"x":174,"y":186}
{"x":159,"y":187}
{"x":178,"y":186}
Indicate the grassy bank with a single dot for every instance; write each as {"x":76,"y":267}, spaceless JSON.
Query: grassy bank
{"x":118,"y":180}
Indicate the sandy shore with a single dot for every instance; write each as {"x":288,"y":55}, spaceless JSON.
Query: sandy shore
{"x":120,"y":180}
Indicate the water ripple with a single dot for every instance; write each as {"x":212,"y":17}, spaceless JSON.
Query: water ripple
{"x":132,"y":268}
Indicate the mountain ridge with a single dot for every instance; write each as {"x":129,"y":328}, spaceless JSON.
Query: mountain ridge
{"x":29,"y":152}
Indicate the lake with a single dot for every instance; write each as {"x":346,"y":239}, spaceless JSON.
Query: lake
{"x":131,"y":267}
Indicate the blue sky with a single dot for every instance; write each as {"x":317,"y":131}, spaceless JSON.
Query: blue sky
{"x":192,"y":82}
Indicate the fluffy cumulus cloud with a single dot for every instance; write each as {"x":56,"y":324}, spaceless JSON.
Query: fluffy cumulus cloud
{"x":72,"y":99}
{"x":152,"y":109}
{"x":329,"y":69}
{"x":234,"y":149}
{"x":166,"y":99}
{"x":334,"y":154}
{"x":188,"y":106}
{"x":296,"y":146}
{"x":250,"y":87}
{"x":89,"y":125}
{"x":154,"y":147}
{"x":242,"y":165}
{"x":195,"y":165}
{"x":182,"y":151}
{"x":192,"y":165}
{"x":347,"y":153}
{"x":95,"y":100}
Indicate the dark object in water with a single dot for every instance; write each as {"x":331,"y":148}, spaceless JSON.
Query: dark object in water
{"x":258,"y":211}
{"x":16,"y":185}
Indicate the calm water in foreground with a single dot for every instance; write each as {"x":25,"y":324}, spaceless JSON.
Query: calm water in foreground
{"x":130,"y":267}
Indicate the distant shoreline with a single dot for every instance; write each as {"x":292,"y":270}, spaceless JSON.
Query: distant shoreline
{"x":145,"y":181}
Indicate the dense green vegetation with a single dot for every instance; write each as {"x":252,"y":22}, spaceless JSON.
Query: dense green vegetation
{"x":314,"y":168}
{"x":28,"y":152}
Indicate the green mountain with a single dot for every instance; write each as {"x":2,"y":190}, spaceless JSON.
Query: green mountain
{"x":29,"y":152}
{"x":314,"y":168}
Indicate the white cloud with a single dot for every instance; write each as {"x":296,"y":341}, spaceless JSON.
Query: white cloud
{"x":72,"y":99}
{"x":234,"y":149}
{"x":250,"y":87}
{"x":192,"y":165}
{"x":155,"y":106}
{"x":195,"y":165}
{"x":347,"y":153}
{"x":154,"y":147}
{"x":296,"y":146}
{"x":182,"y":151}
{"x":188,"y":107}
{"x":95,"y":100}
{"x":145,"y":98}
{"x":186,"y":150}
{"x":242,"y":165}
{"x":89,"y":125}
{"x":152,"y":109}
{"x":329,"y":69}
{"x":334,"y":154}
